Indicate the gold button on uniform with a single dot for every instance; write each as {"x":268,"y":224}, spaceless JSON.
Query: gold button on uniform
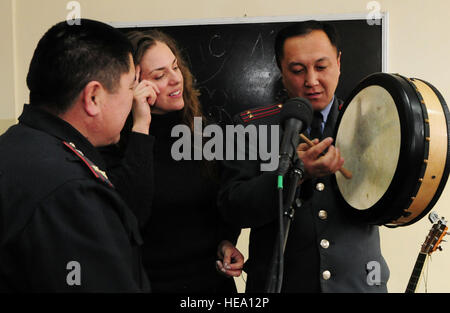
{"x":323,"y":214}
{"x":320,"y":187}
{"x":326,"y":275}
{"x":324,"y":243}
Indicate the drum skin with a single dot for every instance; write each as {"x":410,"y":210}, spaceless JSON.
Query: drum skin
{"x":400,"y":162}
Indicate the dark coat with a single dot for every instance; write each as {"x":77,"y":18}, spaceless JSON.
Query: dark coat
{"x":326,"y":251}
{"x":175,"y":202}
{"x":61,"y":218}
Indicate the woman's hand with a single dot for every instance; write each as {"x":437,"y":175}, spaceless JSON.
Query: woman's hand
{"x":145,"y":95}
{"x":230,"y":259}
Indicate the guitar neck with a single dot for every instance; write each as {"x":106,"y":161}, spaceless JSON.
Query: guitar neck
{"x":416,"y":273}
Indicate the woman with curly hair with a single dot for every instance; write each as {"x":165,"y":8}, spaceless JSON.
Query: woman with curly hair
{"x":175,"y":201}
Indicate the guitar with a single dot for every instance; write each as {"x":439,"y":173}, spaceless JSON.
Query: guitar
{"x":431,"y":244}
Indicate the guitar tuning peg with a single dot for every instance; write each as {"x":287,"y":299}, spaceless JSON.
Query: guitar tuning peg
{"x":433,"y":217}
{"x":439,"y":248}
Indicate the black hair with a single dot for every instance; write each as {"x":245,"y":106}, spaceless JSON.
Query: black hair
{"x":68,"y":57}
{"x":301,"y":29}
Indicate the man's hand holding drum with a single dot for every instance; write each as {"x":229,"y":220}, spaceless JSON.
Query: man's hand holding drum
{"x":320,"y":160}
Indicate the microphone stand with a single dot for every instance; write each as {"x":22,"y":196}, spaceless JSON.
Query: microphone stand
{"x":285,"y":217}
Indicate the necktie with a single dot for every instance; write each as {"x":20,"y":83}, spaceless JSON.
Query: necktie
{"x":316,"y":126}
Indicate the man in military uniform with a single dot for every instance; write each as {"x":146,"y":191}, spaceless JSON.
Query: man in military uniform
{"x":64,"y":228}
{"x":326,"y":251}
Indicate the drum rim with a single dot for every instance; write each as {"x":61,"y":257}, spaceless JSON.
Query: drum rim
{"x":412,"y":149}
{"x":446,"y":172}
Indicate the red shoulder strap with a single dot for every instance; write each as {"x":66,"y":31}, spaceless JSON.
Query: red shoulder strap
{"x":254,"y":114}
{"x":99,"y":174}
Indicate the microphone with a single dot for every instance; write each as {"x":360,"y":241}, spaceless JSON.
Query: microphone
{"x":295,"y":117}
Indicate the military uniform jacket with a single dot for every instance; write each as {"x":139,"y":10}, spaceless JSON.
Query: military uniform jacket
{"x":63,"y":227}
{"x":326,"y":251}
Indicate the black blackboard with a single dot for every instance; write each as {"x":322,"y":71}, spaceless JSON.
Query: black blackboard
{"x":235,"y":68}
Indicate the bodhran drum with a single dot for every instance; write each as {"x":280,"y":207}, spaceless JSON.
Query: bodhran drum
{"x":393,"y":133}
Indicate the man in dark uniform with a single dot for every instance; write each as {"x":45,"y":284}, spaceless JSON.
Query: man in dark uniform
{"x":63,"y":227}
{"x":326,"y":251}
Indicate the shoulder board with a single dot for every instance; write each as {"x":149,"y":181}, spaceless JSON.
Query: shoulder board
{"x":99,"y":174}
{"x":257,"y":113}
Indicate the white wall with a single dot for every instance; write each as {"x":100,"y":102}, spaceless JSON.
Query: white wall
{"x":7,"y":109}
{"x":419,"y":46}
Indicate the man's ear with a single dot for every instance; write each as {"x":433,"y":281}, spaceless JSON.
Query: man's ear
{"x":283,"y":82}
{"x":339,"y":60}
{"x":92,"y":95}
{"x":138,"y":74}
